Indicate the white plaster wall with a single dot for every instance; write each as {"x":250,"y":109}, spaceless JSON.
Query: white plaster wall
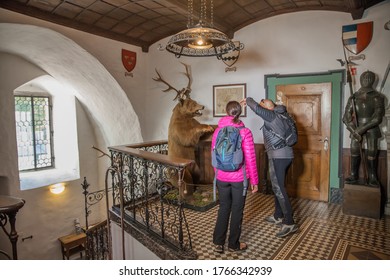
{"x":108,"y":53}
{"x":105,"y":117}
{"x":71,"y":65}
{"x":302,"y":42}
{"x":45,"y":216}
{"x":8,"y":151}
{"x":134,"y":250}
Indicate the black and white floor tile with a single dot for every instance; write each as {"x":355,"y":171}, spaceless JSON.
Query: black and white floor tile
{"x":325,"y":233}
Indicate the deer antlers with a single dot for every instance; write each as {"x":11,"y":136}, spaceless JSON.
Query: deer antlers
{"x":184,"y":92}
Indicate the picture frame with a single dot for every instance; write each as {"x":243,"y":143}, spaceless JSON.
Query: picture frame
{"x":222,"y":94}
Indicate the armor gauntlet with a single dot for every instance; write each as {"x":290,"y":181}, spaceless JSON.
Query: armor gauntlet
{"x":348,"y":120}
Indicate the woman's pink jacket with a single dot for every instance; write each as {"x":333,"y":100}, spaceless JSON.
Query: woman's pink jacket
{"x":248,"y":148}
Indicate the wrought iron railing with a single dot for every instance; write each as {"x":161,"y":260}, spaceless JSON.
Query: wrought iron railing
{"x":98,"y":245}
{"x":98,"y":242}
{"x":141,"y":176}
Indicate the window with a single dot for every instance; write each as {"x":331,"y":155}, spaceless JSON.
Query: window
{"x":34,"y":132}
{"x":43,"y":106}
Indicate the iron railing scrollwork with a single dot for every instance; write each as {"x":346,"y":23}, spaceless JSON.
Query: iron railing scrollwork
{"x":146,"y":175}
{"x":98,"y":245}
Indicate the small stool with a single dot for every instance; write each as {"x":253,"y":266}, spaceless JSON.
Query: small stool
{"x":72,"y":244}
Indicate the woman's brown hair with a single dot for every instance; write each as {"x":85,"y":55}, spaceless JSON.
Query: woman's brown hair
{"x":233,"y":108}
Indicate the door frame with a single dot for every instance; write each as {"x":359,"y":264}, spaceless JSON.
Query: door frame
{"x":337,"y":79}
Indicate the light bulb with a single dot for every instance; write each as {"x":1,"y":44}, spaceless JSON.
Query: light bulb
{"x":57,"y":188}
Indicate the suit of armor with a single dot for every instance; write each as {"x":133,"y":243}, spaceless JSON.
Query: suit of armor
{"x":369,"y":107}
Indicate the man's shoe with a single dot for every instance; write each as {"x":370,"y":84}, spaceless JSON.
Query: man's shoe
{"x":272,"y":220}
{"x":286,"y":230}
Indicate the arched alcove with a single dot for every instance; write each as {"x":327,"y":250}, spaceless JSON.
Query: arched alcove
{"x":68,"y":63}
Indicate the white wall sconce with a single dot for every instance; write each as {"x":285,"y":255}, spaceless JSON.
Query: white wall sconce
{"x":57,"y":188}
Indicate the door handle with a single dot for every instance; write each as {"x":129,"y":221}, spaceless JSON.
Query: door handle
{"x":326,"y":143}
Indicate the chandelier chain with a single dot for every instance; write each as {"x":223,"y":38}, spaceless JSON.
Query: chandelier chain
{"x":211,"y":13}
{"x":202,"y":12}
{"x":190,"y":22}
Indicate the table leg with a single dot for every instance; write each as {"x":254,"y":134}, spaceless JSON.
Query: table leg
{"x":13,"y":236}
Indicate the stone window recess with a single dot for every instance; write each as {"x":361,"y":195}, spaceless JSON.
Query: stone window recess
{"x":63,"y":143}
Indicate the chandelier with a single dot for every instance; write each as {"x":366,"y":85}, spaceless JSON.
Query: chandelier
{"x":200,"y":39}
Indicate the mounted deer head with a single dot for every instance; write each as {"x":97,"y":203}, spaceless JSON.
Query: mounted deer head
{"x":182,"y":94}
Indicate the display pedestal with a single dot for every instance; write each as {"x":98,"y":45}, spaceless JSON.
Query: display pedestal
{"x":361,"y":200}
{"x":9,"y":207}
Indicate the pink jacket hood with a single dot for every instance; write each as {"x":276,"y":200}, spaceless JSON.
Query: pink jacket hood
{"x":248,"y":148}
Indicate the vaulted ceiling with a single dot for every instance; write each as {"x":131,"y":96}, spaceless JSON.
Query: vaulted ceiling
{"x":144,"y":22}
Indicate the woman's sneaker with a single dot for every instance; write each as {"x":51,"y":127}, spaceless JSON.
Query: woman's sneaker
{"x":272,"y":220}
{"x":286,"y":230}
{"x":218,"y":249}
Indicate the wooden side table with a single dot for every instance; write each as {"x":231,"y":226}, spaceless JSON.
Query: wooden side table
{"x":72,"y":244}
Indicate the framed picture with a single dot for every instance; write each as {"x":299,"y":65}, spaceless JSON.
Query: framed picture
{"x":223,"y":94}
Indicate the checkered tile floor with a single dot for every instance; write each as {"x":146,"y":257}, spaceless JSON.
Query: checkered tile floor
{"x":325,"y":233}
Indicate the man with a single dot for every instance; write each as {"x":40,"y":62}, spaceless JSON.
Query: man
{"x":369,"y":106}
{"x":280,"y":157}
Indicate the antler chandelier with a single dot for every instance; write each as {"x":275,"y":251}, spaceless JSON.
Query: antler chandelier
{"x":200,"y":39}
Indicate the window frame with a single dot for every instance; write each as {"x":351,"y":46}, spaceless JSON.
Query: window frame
{"x":34,"y":95}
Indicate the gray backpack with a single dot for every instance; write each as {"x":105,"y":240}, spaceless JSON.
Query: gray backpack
{"x":287,"y":132}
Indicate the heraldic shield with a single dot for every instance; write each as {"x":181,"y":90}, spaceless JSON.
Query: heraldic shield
{"x":231,"y":57}
{"x":356,"y":37}
{"x":129,"y":60}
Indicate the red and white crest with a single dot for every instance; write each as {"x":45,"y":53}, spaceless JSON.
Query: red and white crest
{"x":129,"y":60}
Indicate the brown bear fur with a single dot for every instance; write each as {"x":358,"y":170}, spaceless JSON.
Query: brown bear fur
{"x":184,"y":133}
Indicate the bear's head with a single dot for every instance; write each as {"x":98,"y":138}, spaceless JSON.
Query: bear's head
{"x":188,"y":108}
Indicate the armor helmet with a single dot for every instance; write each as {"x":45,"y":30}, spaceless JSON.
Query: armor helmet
{"x":367,"y":79}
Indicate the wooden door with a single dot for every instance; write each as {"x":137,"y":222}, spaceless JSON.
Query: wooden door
{"x":310,"y":104}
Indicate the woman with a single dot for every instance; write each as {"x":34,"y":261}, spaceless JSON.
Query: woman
{"x":231,"y":185}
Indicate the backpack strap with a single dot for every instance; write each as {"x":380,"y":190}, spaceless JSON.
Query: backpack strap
{"x":215,"y":185}
{"x":245,"y":183}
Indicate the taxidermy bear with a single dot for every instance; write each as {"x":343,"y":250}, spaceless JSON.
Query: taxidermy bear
{"x":184,"y":132}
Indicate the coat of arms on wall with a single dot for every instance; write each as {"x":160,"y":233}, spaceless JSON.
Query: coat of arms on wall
{"x":129,"y":60}
{"x":231,"y":57}
{"x":356,"y":37}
